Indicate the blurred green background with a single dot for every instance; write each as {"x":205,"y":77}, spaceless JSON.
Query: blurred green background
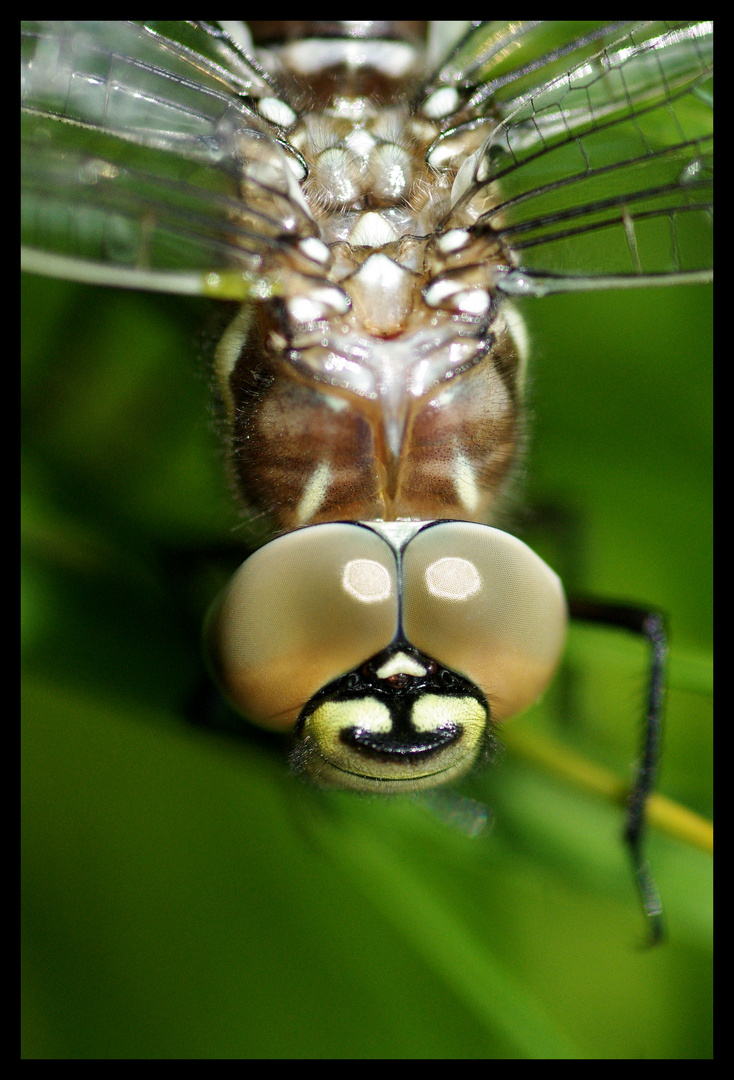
{"x":183,"y":895}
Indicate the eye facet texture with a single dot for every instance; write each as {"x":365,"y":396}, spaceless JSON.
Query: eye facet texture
{"x":301,"y":611}
{"x":491,"y":610}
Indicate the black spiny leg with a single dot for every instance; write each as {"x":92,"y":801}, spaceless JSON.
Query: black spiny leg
{"x":651,"y":626}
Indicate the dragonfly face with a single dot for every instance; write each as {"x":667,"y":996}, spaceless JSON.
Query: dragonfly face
{"x":377,"y":219}
{"x":394,"y":637}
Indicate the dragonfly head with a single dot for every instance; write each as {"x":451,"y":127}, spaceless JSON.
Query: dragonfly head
{"x":389,"y":650}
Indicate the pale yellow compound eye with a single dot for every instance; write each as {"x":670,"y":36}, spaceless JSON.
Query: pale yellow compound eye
{"x":483,"y":604}
{"x":300,"y":612}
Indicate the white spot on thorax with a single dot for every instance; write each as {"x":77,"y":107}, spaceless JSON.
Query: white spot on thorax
{"x":465,"y":483}
{"x":314,"y":493}
{"x":277,"y":112}
{"x":453,"y":240}
{"x":372,"y":230}
{"x":441,"y":102}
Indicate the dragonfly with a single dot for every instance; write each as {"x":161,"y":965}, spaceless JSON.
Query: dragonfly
{"x":376,"y":197}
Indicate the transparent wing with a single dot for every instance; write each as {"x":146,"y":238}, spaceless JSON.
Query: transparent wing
{"x":145,"y":162}
{"x":598,"y":169}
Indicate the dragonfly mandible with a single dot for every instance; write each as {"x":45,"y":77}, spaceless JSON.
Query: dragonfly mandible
{"x":376,"y":198}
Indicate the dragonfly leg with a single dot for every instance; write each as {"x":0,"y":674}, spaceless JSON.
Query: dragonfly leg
{"x":650,"y":625}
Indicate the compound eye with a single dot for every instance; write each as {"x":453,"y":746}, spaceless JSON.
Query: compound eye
{"x":301,"y":611}
{"x":482,"y":603}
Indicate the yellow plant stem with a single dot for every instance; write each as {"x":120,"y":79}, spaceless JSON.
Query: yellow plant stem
{"x":662,"y":813}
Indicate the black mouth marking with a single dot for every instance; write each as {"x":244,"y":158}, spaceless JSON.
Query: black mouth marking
{"x":402,"y":742}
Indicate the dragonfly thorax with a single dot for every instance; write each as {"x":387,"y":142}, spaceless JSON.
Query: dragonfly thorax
{"x":382,"y":381}
{"x":391,"y":391}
